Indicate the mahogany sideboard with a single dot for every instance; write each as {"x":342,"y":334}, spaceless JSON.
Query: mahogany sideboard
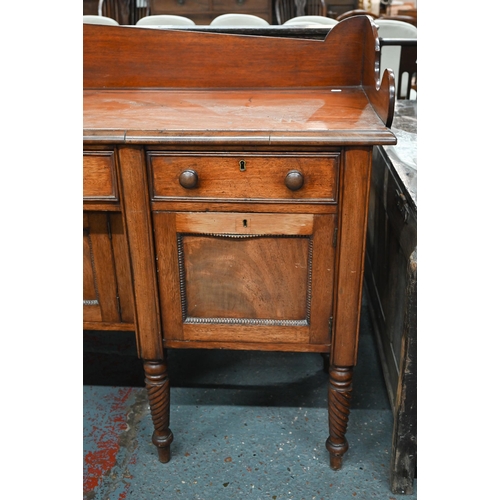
{"x":226,"y":186}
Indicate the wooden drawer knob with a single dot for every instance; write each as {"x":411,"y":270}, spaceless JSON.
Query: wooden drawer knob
{"x":294,"y":180}
{"x":188,"y":179}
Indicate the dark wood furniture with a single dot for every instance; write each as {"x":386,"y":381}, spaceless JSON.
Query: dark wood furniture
{"x":284,"y":10}
{"x":90,"y":7}
{"x":202,"y":12}
{"x":355,"y":12}
{"x":124,"y":11}
{"x":288,"y":9}
{"x":335,"y":8}
{"x":391,"y":278}
{"x":107,"y":282}
{"x":313,"y":8}
{"x":241,"y":181}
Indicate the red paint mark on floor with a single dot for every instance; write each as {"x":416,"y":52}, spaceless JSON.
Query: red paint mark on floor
{"x":99,"y":462}
{"x":123,"y":494}
{"x":121,"y":399}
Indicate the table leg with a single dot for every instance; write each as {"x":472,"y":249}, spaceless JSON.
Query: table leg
{"x":158,"y":387}
{"x":339,"y":402}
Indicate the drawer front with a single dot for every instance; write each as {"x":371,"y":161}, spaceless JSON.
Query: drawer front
{"x":99,"y":176}
{"x":244,"y":177}
{"x":179,"y":7}
{"x":240,"y":6}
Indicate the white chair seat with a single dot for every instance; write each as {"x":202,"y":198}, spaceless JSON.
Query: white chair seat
{"x":165,"y":20}
{"x":100,"y":20}
{"x":311,"y":20}
{"x":241,"y":20}
{"x":305,"y":24}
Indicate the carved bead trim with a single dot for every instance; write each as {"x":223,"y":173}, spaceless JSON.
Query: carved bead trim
{"x":247,"y":321}
{"x":182,"y":275}
{"x":243,"y":236}
{"x":309,"y":281}
{"x":91,"y":302}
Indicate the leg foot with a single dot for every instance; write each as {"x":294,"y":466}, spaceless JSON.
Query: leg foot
{"x":163,"y":452}
{"x":335,"y":462}
{"x":339,"y":401}
{"x":158,"y":387}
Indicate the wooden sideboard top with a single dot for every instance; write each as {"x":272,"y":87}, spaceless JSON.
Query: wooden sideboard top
{"x":266,"y":117}
{"x":165,"y":86}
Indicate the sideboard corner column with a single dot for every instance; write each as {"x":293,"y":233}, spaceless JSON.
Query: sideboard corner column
{"x":137,"y":214}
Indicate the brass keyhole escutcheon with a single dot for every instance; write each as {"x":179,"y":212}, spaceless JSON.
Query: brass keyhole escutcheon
{"x":243,"y":165}
{"x":245,"y":224}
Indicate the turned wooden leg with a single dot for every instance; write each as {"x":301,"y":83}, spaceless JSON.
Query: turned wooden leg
{"x":339,"y":402}
{"x":158,"y":387}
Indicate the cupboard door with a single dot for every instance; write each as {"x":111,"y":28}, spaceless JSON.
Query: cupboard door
{"x":107,"y":290}
{"x":245,"y":277}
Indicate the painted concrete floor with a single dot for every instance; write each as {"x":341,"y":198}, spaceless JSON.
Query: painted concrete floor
{"x":245,"y":424}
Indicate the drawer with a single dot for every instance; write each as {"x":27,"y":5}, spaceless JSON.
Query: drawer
{"x":244,"y":177}
{"x":240,"y":6}
{"x":179,"y":7}
{"x":99,"y":176}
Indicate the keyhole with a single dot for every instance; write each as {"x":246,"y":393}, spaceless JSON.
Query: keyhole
{"x":245,"y":223}
{"x":242,"y":166}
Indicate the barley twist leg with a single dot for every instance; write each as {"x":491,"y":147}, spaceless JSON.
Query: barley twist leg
{"x":158,"y":387}
{"x":339,"y":402}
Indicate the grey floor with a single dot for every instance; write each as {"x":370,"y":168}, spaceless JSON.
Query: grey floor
{"x":245,"y":424}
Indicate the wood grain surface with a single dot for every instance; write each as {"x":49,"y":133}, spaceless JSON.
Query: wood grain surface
{"x":241,"y":193}
{"x":244,"y":176}
{"x":268,"y":117}
{"x":99,"y":176}
{"x":179,"y":59}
